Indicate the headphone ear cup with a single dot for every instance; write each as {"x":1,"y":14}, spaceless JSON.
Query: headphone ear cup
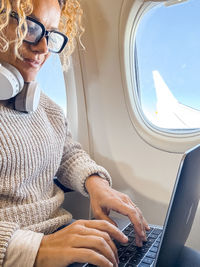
{"x":28,"y":99}
{"x":27,"y":95}
{"x":11,"y":81}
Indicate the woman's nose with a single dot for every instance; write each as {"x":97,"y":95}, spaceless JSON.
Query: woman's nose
{"x":41,"y":47}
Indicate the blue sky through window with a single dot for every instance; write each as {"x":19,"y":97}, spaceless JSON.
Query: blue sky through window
{"x":51,"y":80}
{"x":168,"y":40}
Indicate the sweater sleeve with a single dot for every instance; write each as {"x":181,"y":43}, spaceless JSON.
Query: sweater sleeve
{"x":6,"y":231}
{"x":76,"y":166}
{"x":23,"y":248}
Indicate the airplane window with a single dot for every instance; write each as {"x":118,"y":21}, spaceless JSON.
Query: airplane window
{"x":167,"y":60}
{"x":51,"y":81}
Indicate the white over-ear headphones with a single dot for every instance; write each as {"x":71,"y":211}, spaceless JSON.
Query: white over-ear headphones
{"x":27,"y":95}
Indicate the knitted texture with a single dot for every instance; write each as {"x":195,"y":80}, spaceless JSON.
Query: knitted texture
{"x":6,"y":231}
{"x":34,"y":147}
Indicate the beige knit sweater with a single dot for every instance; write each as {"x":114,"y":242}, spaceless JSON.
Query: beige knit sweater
{"x":34,"y":148}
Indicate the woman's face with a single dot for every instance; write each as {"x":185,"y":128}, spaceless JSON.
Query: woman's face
{"x":48,"y":13}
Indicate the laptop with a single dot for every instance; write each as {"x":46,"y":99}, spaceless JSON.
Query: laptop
{"x":164,"y":244}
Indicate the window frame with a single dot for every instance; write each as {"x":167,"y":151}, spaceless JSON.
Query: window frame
{"x":170,"y":141}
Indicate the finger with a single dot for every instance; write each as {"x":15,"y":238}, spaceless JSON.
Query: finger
{"x":142,"y":222}
{"x":134,"y":216}
{"x":132,"y":212}
{"x":146,"y":226}
{"x":138,"y":241}
{"x":139,"y":227}
{"x":105,"y":226}
{"x":83,"y":255}
{"x":85,"y":231}
{"x":100,"y":243}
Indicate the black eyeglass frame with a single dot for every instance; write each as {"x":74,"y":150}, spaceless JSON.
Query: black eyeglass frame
{"x":45,"y":33}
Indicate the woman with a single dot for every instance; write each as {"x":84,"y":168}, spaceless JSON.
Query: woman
{"x":37,"y":146}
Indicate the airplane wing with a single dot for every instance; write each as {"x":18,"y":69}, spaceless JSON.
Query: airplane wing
{"x":170,"y":112}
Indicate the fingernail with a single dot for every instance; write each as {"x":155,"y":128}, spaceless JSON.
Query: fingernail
{"x":125,"y":238}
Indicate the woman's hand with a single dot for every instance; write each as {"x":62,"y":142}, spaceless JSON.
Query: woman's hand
{"x":82,"y":241}
{"x":103,"y":199}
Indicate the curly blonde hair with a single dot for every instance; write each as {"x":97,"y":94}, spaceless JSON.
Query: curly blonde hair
{"x":70,"y":22}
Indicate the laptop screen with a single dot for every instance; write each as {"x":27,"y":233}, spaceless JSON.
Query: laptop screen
{"x":181,"y":210}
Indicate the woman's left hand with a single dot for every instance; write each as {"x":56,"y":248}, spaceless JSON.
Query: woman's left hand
{"x":103,"y":199}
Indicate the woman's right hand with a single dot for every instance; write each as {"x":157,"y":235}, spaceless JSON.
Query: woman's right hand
{"x":82,"y":241}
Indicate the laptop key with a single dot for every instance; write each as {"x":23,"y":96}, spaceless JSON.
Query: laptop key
{"x":156,"y":244}
{"x":134,"y":260}
{"x":151,"y":255}
{"x":121,"y":249}
{"x":142,"y":250}
{"x":132,"y":248}
{"x":128,"y":253}
{"x":150,"y":240}
{"x":123,"y":259}
{"x":130,"y":226}
{"x":139,"y":255}
{"x":154,"y":249}
{"x":154,"y":236}
{"x":126,"y":231}
{"x":147,"y":260}
{"x":147,"y":245}
{"x":130,"y":239}
{"x":148,"y":232}
{"x":132,"y":234}
{"x":157,"y":231}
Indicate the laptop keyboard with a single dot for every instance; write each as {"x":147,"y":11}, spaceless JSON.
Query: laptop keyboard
{"x":131,"y":256}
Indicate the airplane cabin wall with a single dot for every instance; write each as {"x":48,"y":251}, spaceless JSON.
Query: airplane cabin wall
{"x":145,"y":173}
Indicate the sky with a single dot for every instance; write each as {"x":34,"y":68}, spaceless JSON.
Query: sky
{"x":168,"y":40}
{"x":50,"y":71}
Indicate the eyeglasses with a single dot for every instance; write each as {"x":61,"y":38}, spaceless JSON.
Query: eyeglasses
{"x":56,"y":41}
